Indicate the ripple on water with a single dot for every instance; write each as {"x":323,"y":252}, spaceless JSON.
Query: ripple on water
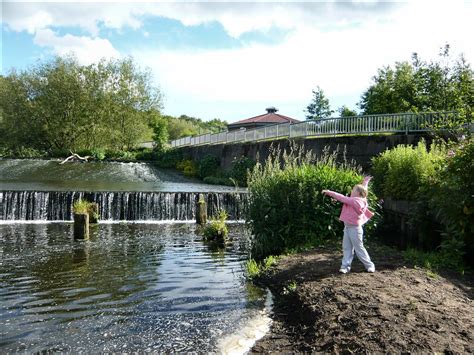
{"x":142,"y":288}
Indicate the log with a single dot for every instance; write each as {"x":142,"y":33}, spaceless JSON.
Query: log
{"x":75,"y":156}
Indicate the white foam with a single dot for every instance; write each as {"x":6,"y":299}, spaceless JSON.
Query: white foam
{"x":242,"y":340}
{"x":168,"y":221}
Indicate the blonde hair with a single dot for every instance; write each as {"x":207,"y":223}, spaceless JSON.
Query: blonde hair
{"x":361,"y":190}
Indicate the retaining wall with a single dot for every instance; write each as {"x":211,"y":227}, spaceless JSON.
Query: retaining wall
{"x":358,"y":148}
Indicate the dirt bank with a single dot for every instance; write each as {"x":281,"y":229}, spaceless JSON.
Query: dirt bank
{"x":397,"y":309}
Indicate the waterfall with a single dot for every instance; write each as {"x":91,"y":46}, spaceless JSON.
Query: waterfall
{"x":116,"y":206}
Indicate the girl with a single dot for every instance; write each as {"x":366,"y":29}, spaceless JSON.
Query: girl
{"x":354,"y":214}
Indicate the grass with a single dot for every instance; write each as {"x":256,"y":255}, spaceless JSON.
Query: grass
{"x":81,"y":207}
{"x":255,"y":269}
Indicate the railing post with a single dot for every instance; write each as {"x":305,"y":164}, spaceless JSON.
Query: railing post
{"x":406,"y":124}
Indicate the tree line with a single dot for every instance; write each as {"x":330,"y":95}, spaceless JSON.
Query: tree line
{"x":445,"y":84}
{"x":59,"y":106}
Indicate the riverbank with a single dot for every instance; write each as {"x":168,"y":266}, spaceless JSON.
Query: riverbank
{"x":397,"y":309}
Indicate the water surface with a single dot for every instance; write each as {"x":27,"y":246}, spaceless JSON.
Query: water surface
{"x":131,"y":287}
{"x":50,"y":175}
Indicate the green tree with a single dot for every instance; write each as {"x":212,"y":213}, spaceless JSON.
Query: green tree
{"x":62,"y":105}
{"x":319,"y":106}
{"x":345,"y":111}
{"x":160,"y":134}
{"x":441,"y":85}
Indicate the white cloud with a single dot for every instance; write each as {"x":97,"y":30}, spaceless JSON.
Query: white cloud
{"x":336,"y":45}
{"x":236,"y":17}
{"x":341,"y":62}
{"x":87,"y":50}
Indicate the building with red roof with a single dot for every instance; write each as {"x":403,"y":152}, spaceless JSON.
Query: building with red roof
{"x":269,"y":118}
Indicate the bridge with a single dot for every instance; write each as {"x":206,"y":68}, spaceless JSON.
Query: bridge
{"x":400,"y":123}
{"x":359,"y":137}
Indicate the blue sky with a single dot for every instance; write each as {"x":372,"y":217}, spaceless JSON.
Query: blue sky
{"x":230,"y":60}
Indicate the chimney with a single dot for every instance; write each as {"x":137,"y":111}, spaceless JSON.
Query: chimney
{"x":271,"y":109}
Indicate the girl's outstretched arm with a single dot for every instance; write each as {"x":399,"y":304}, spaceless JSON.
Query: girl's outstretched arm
{"x":344,"y":199}
{"x":365,"y":181}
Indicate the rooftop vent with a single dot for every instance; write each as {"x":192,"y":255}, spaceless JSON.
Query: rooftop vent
{"x":271,"y":109}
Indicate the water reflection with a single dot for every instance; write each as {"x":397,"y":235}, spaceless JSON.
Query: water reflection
{"x":129,"y":287}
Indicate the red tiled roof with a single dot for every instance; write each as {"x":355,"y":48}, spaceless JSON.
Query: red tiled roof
{"x":266,"y":118}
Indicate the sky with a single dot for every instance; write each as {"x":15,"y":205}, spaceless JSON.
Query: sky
{"x":231,"y":60}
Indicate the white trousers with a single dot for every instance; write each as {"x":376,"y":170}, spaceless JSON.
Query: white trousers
{"x":353,"y":241}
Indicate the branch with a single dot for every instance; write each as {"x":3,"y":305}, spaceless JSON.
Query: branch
{"x":75,"y":156}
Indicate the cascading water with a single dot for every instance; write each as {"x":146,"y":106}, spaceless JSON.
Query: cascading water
{"x":118,"y":206}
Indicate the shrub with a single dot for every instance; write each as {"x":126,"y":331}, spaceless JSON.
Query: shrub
{"x":217,"y":229}
{"x":240,"y":169}
{"x":208,"y":166}
{"x":188,"y":167}
{"x":400,"y":172}
{"x":98,"y":154}
{"x":450,"y":199}
{"x":81,"y":207}
{"x":216,"y":180}
{"x":169,"y":158}
{"x":286,"y":208}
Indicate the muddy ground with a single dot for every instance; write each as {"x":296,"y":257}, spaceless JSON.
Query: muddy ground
{"x":399,"y":308}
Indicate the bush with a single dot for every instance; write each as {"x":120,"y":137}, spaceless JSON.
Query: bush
{"x":188,"y":167}
{"x":208,"y":166}
{"x":399,"y":173}
{"x":216,"y":180}
{"x":169,"y":158}
{"x":240,"y":169}
{"x":81,"y":207}
{"x":286,"y":208}
{"x":450,"y":199}
{"x":217,"y":230}
{"x":22,"y":152}
{"x":440,"y":182}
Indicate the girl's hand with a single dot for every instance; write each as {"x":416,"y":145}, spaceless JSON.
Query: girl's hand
{"x":324,"y":191}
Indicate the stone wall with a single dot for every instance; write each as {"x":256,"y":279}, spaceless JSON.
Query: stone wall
{"x":358,"y":148}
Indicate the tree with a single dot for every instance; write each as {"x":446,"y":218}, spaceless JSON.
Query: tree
{"x":442,"y":85}
{"x":319,"y":106}
{"x":160,"y":134}
{"x":62,"y":105}
{"x":345,"y":111}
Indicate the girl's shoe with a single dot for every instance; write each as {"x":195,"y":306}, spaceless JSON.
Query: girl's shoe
{"x":371,"y":269}
{"x":344,"y":270}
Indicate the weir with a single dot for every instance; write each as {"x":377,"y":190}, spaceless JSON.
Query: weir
{"x":118,"y":206}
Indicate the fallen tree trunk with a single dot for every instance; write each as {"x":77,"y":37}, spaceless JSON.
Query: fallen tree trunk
{"x":74,"y":157}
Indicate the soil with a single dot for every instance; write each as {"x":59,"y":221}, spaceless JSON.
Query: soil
{"x":398,"y":308}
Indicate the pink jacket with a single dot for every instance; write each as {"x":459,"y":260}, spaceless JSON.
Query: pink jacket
{"x":355,"y":210}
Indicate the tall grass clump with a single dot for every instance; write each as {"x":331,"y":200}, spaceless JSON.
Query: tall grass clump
{"x":286,"y":208}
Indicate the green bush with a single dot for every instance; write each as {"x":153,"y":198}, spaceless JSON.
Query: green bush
{"x":216,"y":180}
{"x":399,"y":173}
{"x":169,"y":158}
{"x":208,"y":166}
{"x":440,"y":182}
{"x":81,"y":207}
{"x":22,"y":152}
{"x":217,"y":230}
{"x":188,"y":167}
{"x":450,"y":199}
{"x":286,"y":208}
{"x":240,"y":169}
